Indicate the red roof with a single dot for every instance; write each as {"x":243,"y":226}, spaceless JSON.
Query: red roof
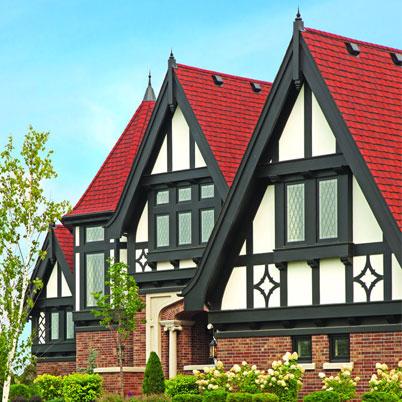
{"x":227,"y":114}
{"x":368,"y":92}
{"x":105,"y":190}
{"x":66,"y":243}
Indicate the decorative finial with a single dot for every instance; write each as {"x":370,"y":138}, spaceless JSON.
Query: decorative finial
{"x":149,"y":93}
{"x":172,"y":60}
{"x":298,"y":15}
{"x":149,"y":77}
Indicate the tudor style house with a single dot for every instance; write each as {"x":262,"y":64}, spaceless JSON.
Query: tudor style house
{"x":270,"y":211}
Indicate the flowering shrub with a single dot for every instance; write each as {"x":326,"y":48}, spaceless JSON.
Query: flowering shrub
{"x":386,"y":380}
{"x":343,"y":383}
{"x":212,"y":378}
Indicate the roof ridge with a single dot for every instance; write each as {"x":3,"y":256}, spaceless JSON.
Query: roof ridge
{"x":248,"y":79}
{"x":77,"y":205}
{"x":345,"y":38}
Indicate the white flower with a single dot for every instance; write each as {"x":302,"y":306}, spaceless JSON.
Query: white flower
{"x":244,"y":363}
{"x":400,"y":363}
{"x":321,"y":375}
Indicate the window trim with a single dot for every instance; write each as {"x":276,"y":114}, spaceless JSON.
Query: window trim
{"x":86,"y":227}
{"x":85,"y":304}
{"x":296,"y":339}
{"x":327,"y":239}
{"x":292,"y":183}
{"x":332,"y":357}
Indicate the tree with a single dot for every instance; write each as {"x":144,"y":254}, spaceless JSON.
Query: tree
{"x":154,"y":381}
{"x":25,"y":215}
{"x":118,"y":308}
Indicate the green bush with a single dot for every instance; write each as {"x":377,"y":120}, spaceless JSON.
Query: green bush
{"x":56,"y":400}
{"x":181,"y":384}
{"x":151,"y":398}
{"x":380,"y":397}
{"x":215,"y":396}
{"x":110,"y":398}
{"x":49,"y":386}
{"x":19,"y":390}
{"x":187,"y":398}
{"x":82,"y":387}
{"x":154,"y":381}
{"x":265,"y":398}
{"x":239,"y":397}
{"x":322,"y":396}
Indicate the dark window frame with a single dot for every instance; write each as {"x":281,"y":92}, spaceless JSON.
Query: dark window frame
{"x":84,"y":278}
{"x":332,"y":341}
{"x":295,"y":340}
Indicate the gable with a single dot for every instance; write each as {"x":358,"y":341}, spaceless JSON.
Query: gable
{"x":57,"y":285}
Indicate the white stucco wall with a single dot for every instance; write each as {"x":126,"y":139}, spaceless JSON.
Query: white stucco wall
{"x":396,"y":279}
{"x":235,"y":294}
{"x":332,"y":281}
{"x":141,"y":233}
{"x":65,"y":289}
{"x":259,"y":300}
{"x":160,"y":165}
{"x":180,"y":141}
{"x":299,"y":284}
{"x":51,"y":287}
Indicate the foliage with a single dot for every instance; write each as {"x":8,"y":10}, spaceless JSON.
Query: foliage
{"x":343,"y":383}
{"x":243,"y":378}
{"x":82,"y":387}
{"x":49,"y":386}
{"x":29,"y":374}
{"x":214,"y":396}
{"x":265,"y":398}
{"x":19,"y":390}
{"x":239,"y":397}
{"x":387,"y":380}
{"x":212,"y":378}
{"x":91,"y":362}
{"x":181,"y":384}
{"x":118,"y":308}
{"x":154,"y":381}
{"x":380,"y":396}
{"x":187,"y":398}
{"x":151,"y":398}
{"x":111,"y":398}
{"x":56,"y":400}
{"x":322,"y":396}
{"x":25,"y":214}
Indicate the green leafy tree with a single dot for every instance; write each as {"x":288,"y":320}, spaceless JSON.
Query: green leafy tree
{"x":154,"y":381}
{"x":118,"y":309}
{"x":25,"y":215}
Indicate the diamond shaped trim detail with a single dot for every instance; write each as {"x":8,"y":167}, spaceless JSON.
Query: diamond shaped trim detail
{"x":266,"y":285}
{"x":368,"y":278}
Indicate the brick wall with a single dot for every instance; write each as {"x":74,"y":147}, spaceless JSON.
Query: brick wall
{"x":139,"y":341}
{"x":132,"y":383}
{"x":55,"y":368}
{"x":366,"y":349}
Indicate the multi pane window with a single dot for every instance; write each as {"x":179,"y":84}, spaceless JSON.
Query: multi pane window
{"x":302,"y":345}
{"x":94,"y":233}
{"x":328,"y":208}
{"x":54,"y":326}
{"x":95,"y":277}
{"x":183,"y":216}
{"x":295,"y":212}
{"x":339,"y":346}
{"x":69,"y":325}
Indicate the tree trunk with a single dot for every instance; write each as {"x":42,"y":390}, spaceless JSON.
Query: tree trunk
{"x":120,"y":358}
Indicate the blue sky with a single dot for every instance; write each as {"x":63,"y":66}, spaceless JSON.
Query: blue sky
{"x":78,"y":68}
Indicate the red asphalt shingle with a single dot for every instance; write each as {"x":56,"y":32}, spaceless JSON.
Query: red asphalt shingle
{"x":367,"y":90}
{"x":227,"y":114}
{"x":66,"y":243}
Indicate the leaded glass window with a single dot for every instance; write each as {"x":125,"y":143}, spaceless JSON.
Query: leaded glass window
{"x":95,"y":277}
{"x":42,"y":328}
{"x":207,"y":224}
{"x":339,"y":348}
{"x":295,"y":212}
{"x":162,"y":231}
{"x":302,"y":345}
{"x":184,"y":228}
{"x":207,"y":191}
{"x":54,"y":326}
{"x":162,"y":197}
{"x":94,"y":233}
{"x":328,"y":209}
{"x":184,"y":194}
{"x":69,"y":325}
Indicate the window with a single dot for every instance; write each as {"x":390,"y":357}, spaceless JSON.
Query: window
{"x":69,"y":325}
{"x":95,"y":276}
{"x":182,"y":216}
{"x":42,"y":328}
{"x":295,"y":212}
{"x":302,"y":345}
{"x":328,"y":208}
{"x":162,"y":230}
{"x":339,"y":346}
{"x":94,"y":233}
{"x":54,"y":326}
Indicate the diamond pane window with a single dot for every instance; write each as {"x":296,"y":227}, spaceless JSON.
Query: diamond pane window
{"x":42,"y":328}
{"x":184,"y":228}
{"x":162,"y":197}
{"x":184,"y":194}
{"x":207,"y":191}
{"x":95,"y":277}
{"x":328,"y":208}
{"x":54,"y":326}
{"x":207,"y":224}
{"x":295,"y":212}
{"x":95,"y":233}
{"x":162,"y":231}
{"x":69,"y":325}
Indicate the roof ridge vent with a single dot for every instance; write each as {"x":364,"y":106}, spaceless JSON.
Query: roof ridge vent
{"x":255,"y":86}
{"x":396,"y":58}
{"x":352,"y":48}
{"x":218,"y":80}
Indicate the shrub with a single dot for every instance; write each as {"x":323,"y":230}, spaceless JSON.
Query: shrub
{"x":82,"y":387}
{"x":56,"y":400}
{"x":37,"y":398}
{"x":19,"y":390}
{"x":243,"y":378}
{"x":215,"y":396}
{"x":49,"y":386}
{"x":239,"y":397}
{"x":343,"y":384}
{"x":181,"y":384}
{"x":386,"y":380}
{"x":151,"y":398}
{"x":187,"y":398}
{"x":110,"y":398}
{"x":322,"y":396}
{"x":378,"y":396}
{"x":213,"y":378}
{"x":265,"y":398}
{"x":154,"y":382}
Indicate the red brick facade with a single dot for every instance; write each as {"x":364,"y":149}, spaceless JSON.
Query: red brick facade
{"x":55,"y":368}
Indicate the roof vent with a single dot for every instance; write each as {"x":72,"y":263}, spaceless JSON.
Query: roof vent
{"x":397,"y":58}
{"x":352,"y":48}
{"x":255,"y":86}
{"x":218,"y":80}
